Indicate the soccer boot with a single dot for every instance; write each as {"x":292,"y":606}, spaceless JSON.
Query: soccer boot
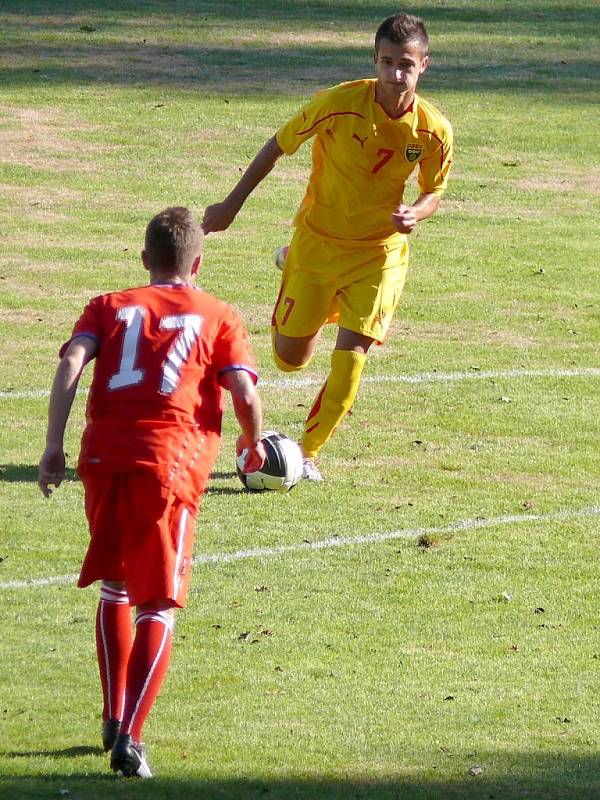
{"x":110,"y":731}
{"x":129,"y":758}
{"x":310,"y":471}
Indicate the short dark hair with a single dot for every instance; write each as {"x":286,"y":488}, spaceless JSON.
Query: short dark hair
{"x":402,"y":28}
{"x":173,"y":241}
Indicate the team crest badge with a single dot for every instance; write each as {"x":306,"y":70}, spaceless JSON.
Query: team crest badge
{"x":413,"y":151}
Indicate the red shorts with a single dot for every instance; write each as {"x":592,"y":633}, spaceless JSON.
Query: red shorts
{"x":141,"y":534}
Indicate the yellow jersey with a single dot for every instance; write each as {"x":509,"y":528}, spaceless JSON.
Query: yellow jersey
{"x":361,"y":160}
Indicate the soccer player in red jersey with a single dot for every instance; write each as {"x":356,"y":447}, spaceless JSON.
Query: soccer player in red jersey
{"x":348,"y":257}
{"x":163,"y":355}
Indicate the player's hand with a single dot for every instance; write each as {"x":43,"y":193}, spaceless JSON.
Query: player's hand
{"x":51,"y":469}
{"x":255,"y":456}
{"x":405,"y":219}
{"x":218,"y":217}
{"x":255,"y":459}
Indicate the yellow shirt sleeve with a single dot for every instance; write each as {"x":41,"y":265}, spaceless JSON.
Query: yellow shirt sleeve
{"x":434,"y":167}
{"x":308,"y":122}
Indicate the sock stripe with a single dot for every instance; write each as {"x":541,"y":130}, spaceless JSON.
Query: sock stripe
{"x":317,"y":404}
{"x":157,"y":617}
{"x":105,"y":657}
{"x":164,"y":617}
{"x":110,"y":595}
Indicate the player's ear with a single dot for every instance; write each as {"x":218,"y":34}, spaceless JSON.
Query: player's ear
{"x":424,"y":64}
{"x":375,"y":56}
{"x":144,"y":257}
{"x":196,"y":264}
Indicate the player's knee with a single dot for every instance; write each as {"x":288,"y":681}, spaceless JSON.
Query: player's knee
{"x":297,"y":352}
{"x":285,"y":366}
{"x":117,"y":586}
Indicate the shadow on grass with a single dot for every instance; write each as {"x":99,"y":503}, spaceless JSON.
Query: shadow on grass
{"x":229,"y":72}
{"x":28,"y":473}
{"x":129,"y":45}
{"x":66,"y":752}
{"x":225,"y":490}
{"x":222,"y":476}
{"x":526,"y":775}
{"x":309,"y":12}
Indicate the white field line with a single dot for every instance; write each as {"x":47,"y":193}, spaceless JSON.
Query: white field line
{"x":449,"y":377}
{"x":477,"y":523}
{"x":419,"y":377}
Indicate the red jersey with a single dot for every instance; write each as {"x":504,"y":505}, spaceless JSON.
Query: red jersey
{"x":156,"y":400}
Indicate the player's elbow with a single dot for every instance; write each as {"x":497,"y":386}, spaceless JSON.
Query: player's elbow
{"x":434,"y":203}
{"x":273,"y":148}
{"x":71,"y":365}
{"x":78,"y":353}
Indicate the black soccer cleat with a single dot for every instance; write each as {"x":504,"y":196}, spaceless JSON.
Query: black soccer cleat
{"x":110,"y":731}
{"x":129,"y":758}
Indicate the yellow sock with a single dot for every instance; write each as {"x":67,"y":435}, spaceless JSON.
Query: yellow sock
{"x":334,"y":400}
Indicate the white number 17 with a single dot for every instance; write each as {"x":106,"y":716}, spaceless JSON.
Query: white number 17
{"x":133,"y":317}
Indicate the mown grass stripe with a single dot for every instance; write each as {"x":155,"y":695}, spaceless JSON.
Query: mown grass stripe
{"x":476,"y":523}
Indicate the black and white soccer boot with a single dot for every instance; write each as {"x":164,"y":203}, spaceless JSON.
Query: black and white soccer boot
{"x":110,"y":731}
{"x":129,"y":758}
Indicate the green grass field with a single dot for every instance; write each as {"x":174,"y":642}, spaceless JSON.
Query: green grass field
{"x":462,"y":629}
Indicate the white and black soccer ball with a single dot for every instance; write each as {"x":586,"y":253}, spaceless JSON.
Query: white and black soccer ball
{"x":282,"y":468}
{"x":281,"y":255}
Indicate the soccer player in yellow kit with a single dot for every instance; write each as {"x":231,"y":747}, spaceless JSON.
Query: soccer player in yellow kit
{"x":348,"y":256}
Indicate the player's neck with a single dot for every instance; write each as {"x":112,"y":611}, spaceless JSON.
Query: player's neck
{"x":394,"y":106}
{"x":171,"y":280}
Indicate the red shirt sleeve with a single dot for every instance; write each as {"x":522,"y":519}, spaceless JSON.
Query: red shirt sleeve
{"x":232,"y":348}
{"x":89,"y":324}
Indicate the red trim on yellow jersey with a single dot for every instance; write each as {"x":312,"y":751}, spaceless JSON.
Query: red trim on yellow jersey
{"x":407,"y":111}
{"x":273,"y":318}
{"x":327,"y":116}
{"x":437,"y":138}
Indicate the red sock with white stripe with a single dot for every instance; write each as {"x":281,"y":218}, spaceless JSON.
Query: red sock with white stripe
{"x":148,"y":664}
{"x":114,"y":637}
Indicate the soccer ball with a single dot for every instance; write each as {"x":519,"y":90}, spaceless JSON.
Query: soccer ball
{"x":281,"y":255}
{"x":282,"y":468}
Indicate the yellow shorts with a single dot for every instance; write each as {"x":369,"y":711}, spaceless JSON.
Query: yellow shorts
{"x":324,"y":282}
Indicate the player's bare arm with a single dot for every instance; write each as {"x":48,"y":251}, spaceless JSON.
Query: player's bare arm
{"x":219,"y":216}
{"x":248,"y":411}
{"x":405,"y":218}
{"x":52,"y":463}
